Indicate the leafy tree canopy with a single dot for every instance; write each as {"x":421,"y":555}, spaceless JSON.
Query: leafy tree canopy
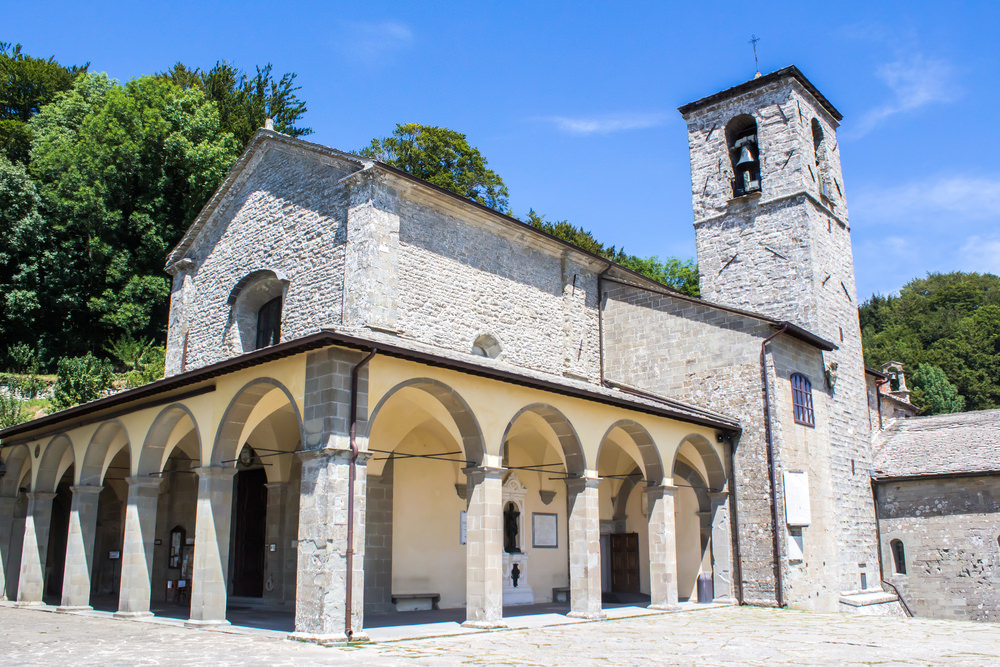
{"x":27,"y":83}
{"x":444,"y":158}
{"x":246,"y":101}
{"x":932,"y":392}
{"x":121,"y":172}
{"x":947,"y":320}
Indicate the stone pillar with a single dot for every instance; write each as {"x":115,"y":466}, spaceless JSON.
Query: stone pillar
{"x":722,"y":547}
{"x":137,"y":546}
{"x":484,"y":548}
{"x":8,"y":505}
{"x":210,"y":571}
{"x":321,"y":581}
{"x":274,"y":572}
{"x":31,"y":586}
{"x":80,"y":548}
{"x":584,"y":547}
{"x":662,"y":548}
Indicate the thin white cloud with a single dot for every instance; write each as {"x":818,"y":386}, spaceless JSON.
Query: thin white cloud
{"x":375,"y":42}
{"x":949,"y":199}
{"x":982,"y":253}
{"x":914,"y":81}
{"x":606,"y":124}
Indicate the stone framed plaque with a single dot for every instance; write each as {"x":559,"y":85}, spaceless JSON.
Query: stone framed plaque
{"x":544,"y":530}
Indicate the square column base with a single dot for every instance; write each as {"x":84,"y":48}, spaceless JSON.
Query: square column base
{"x":204,"y":624}
{"x":328,"y":640}
{"x":664,"y":607}
{"x":595,"y":616}
{"x":30,"y":603}
{"x":74,"y":608}
{"x":132,"y":614}
{"x":484,"y":625}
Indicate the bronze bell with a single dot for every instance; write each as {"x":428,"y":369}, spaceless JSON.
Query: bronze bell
{"x":745,"y":156}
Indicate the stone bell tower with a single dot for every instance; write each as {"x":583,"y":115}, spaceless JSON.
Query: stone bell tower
{"x":773,"y":237}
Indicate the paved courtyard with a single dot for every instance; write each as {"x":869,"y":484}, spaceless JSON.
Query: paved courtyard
{"x":717,"y":636}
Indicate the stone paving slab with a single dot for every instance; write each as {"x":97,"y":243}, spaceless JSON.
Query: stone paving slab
{"x":717,"y":636}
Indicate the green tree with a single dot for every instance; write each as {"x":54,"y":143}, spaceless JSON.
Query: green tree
{"x":122,"y":171}
{"x":246,"y":101}
{"x":21,"y":232}
{"x":27,"y":83}
{"x":81,"y":379}
{"x":932,"y":392}
{"x":139,"y":361}
{"x":444,"y":158}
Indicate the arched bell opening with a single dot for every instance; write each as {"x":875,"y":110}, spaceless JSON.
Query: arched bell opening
{"x":627,"y":464}
{"x":540,"y":452}
{"x":744,"y":153}
{"x":422,"y":436}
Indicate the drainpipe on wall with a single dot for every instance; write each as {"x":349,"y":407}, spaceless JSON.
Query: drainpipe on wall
{"x":351,"y":476}
{"x":881,"y":567}
{"x":600,"y":318}
{"x":779,"y":592}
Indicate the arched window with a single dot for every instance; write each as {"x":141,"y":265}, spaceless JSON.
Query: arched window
{"x":744,"y":152}
{"x":802,"y":400}
{"x":898,"y":556}
{"x":256,"y":303}
{"x":486,"y":346}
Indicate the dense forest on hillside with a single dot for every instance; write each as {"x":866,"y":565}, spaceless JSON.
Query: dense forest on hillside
{"x":99,"y":179}
{"x":945,"y":328}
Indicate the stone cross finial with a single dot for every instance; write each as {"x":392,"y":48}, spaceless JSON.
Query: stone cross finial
{"x":269,"y":124}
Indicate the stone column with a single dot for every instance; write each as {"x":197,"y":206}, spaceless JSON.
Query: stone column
{"x":137,"y":546}
{"x":210,"y":570}
{"x":484,"y":548}
{"x":274,"y":573}
{"x":80,"y":548}
{"x":31,"y":586}
{"x":722,"y":551}
{"x":662,"y":548}
{"x":584,"y":547}
{"x":8,"y":505}
{"x":321,"y":581}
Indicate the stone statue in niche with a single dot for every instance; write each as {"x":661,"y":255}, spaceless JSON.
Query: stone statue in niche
{"x":510,"y":529}
{"x":515,"y":574}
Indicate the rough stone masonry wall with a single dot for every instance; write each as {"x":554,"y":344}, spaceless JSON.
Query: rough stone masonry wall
{"x":707,"y":357}
{"x":950,"y":530}
{"x":461,"y":276}
{"x":786,"y":253}
{"x":287,"y":215}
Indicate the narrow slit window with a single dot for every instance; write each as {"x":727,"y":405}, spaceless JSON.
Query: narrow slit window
{"x":898,"y":556}
{"x":802,"y":400}
{"x":269,"y":323}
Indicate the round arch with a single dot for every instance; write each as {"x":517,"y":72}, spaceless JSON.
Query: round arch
{"x":18,"y":462}
{"x":227,"y":438}
{"x":716,"y":472}
{"x":151,"y":457}
{"x":468,"y":427}
{"x":98,"y":454}
{"x":572,"y":450}
{"x":652,"y":464}
{"x":57,"y":458}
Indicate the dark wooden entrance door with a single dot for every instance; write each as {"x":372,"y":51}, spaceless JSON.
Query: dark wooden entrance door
{"x":625,"y":563}
{"x":249,"y":533}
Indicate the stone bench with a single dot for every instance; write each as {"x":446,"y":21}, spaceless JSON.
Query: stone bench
{"x":416,"y":601}
{"x":560,"y":594}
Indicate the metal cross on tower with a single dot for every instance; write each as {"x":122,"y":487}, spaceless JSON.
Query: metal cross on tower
{"x":753,"y":41}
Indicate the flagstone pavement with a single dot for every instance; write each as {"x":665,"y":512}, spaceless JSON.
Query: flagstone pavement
{"x":713,"y":636}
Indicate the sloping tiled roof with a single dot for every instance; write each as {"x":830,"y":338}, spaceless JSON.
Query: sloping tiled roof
{"x":959,"y":443}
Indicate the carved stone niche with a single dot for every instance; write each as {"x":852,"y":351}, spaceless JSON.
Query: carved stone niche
{"x":515,"y":559}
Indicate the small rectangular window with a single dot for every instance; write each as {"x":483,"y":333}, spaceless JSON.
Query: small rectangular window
{"x":269,"y":323}
{"x":802,"y":400}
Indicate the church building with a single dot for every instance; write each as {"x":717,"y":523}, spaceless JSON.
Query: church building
{"x":381,"y":396}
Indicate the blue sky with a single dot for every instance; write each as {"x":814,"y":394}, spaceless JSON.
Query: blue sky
{"x":574,"y":103}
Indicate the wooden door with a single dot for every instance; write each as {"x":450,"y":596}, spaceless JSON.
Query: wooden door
{"x":625,"y":563}
{"x":250,"y":533}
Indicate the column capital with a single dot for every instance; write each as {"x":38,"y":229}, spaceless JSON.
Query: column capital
{"x":325,"y":452}
{"x":476,"y":474}
{"x":40,"y":495}
{"x":661,"y":490}
{"x":215,"y":472}
{"x":8,"y":501}
{"x":718,"y":496}
{"x":86,"y":489}
{"x":144,"y":481}
{"x":580,"y":484}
